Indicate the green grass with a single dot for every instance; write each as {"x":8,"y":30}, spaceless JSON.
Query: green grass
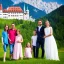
{"x":24,"y":31}
{"x":33,"y":60}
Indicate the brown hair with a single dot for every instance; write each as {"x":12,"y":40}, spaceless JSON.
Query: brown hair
{"x":27,"y":43}
{"x":18,"y":30}
{"x":5,"y":26}
{"x":36,"y":32}
{"x":40,"y":20}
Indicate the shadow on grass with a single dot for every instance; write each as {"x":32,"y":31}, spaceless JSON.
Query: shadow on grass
{"x":1,"y":59}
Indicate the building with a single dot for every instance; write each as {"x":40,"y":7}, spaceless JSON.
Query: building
{"x":14,"y":12}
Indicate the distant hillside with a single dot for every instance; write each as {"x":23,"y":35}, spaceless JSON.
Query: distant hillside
{"x":56,"y":19}
{"x":6,"y":3}
{"x":57,"y":13}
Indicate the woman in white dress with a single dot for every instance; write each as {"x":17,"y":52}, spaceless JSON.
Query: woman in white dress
{"x":51,"y":50}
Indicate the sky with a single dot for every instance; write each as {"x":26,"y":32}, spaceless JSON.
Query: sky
{"x":58,"y":1}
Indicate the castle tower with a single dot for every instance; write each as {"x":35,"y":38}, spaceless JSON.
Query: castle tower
{"x":26,"y":13}
{"x":24,"y":8}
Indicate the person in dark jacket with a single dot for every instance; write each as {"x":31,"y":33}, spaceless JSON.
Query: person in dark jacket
{"x":40,"y":38}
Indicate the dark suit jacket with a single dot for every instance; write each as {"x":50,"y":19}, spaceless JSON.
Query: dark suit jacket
{"x":40,"y":34}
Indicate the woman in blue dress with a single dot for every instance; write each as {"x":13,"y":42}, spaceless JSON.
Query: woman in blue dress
{"x":5,"y":41}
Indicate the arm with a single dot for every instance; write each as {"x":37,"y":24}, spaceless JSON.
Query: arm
{"x":8,"y":35}
{"x":24,"y":52}
{"x":31,"y":51}
{"x":51,"y":33}
{"x":31,"y":44}
{"x":2,"y":41}
{"x":9,"y":38}
{"x":20,"y":41}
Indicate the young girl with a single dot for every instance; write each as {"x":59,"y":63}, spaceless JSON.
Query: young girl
{"x":17,"y":53}
{"x":33,"y":41}
{"x":51,"y":50}
{"x":5,"y":41}
{"x":28,"y":51}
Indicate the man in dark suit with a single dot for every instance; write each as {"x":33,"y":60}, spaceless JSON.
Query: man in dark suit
{"x":40,"y":38}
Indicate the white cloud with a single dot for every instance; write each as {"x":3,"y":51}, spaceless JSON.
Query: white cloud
{"x":17,"y":1}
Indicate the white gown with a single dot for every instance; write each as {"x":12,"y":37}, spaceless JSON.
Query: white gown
{"x":51,"y":50}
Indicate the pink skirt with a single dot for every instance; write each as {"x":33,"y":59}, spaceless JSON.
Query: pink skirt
{"x":17,"y":53}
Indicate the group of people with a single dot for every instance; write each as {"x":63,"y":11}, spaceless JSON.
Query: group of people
{"x":42,"y":37}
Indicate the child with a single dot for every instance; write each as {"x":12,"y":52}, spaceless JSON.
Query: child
{"x":17,"y":53}
{"x":5,"y":41}
{"x":28,"y":52}
{"x":33,"y":41}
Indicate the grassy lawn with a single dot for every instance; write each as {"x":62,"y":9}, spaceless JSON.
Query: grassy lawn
{"x":31,"y":61}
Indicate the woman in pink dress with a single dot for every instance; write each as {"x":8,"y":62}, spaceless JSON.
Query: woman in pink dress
{"x":28,"y":51}
{"x":18,"y":46}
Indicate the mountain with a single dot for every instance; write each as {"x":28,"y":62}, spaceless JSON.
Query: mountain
{"x":56,"y":15}
{"x":41,"y":4}
{"x":34,"y":12}
{"x":56,"y":18}
{"x":38,"y":8}
{"x":6,"y":3}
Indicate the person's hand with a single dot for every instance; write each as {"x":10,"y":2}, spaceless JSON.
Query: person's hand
{"x":18,"y":41}
{"x":44,"y":37}
{"x":10,"y":40}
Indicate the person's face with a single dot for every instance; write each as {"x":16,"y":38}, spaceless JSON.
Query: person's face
{"x":13,"y":26}
{"x":47,"y":23}
{"x":28,"y":44}
{"x":6,"y":28}
{"x":39,"y":23}
{"x":34,"y":32}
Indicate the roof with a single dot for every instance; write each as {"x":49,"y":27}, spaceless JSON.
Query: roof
{"x":13,"y":9}
{"x":0,"y":6}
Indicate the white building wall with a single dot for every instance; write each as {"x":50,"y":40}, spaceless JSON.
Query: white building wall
{"x":15,"y":16}
{"x":0,"y":11}
{"x":5,"y":15}
{"x":24,"y":16}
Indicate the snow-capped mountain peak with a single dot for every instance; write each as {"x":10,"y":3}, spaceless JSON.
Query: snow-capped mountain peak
{"x":41,"y":5}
